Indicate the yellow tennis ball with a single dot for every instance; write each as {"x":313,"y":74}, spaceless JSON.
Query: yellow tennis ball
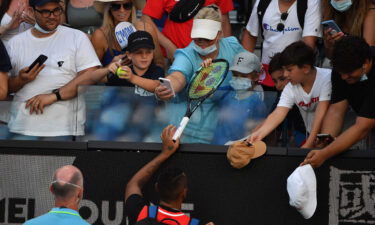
{"x":121,"y":72}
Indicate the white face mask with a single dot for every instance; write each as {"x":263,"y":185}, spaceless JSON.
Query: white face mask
{"x":204,"y":51}
{"x":240,"y":83}
{"x":40,"y":29}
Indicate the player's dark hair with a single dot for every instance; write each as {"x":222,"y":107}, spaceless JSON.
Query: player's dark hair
{"x":299,"y":54}
{"x":349,"y":54}
{"x":66,"y":190}
{"x":275,"y":63}
{"x":170,"y":183}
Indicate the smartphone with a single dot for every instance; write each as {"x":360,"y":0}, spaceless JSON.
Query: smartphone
{"x":40,"y":60}
{"x":331,"y":24}
{"x":167,"y":83}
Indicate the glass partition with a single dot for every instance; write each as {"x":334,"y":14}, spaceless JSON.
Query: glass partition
{"x":103,"y":113}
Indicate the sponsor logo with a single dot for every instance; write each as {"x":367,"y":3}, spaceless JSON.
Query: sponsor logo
{"x":274,"y":29}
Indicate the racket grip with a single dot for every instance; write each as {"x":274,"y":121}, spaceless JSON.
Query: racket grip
{"x":180,"y":128}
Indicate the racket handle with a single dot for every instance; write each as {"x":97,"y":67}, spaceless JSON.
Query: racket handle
{"x":180,"y":128}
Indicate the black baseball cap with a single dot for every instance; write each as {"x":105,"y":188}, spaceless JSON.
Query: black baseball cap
{"x":140,"y":39}
{"x":41,"y":2}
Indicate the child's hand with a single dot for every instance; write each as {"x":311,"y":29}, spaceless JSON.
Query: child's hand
{"x":206,"y":62}
{"x":124,"y":72}
{"x":113,"y":66}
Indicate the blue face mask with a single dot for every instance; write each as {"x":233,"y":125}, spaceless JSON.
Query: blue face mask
{"x":342,"y":5}
{"x":240,"y":83}
{"x":204,"y":51}
{"x":40,"y":29}
{"x":363,"y":78}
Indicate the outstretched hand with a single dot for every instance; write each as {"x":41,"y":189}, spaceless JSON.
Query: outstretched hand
{"x":315,"y":158}
{"x":169,"y":146}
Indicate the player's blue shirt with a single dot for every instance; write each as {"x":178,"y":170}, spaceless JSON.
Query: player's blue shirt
{"x":202,"y":124}
{"x":58,"y":216}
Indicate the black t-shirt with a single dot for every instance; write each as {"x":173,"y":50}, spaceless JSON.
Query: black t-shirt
{"x":361,"y":95}
{"x":153,"y":73}
{"x":5,"y":64}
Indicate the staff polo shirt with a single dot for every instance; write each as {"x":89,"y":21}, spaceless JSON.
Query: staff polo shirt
{"x":58,"y":216}
{"x":360,"y":95}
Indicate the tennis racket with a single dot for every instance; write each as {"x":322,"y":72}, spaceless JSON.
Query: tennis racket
{"x":203,"y":85}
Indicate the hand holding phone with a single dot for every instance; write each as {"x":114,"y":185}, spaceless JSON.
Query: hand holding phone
{"x":331,"y":24}
{"x":40,"y":60}
{"x":167,"y":83}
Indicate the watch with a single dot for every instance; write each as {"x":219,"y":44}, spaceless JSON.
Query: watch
{"x":57,"y":93}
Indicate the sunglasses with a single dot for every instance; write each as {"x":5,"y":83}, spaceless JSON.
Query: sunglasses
{"x":47,"y":13}
{"x":280,"y":27}
{"x":126,"y":6}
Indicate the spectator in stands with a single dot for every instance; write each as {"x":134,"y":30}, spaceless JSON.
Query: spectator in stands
{"x":143,"y":74}
{"x":67,"y":189}
{"x":354,"y":17}
{"x":70,"y":55}
{"x":176,"y":34}
{"x":281,"y":22}
{"x":243,"y":103}
{"x":15,"y":17}
{"x":82,"y":15}
{"x":353,"y":82}
{"x":171,"y":186}
{"x":309,"y":88}
{"x":5,"y":67}
{"x":293,"y":119}
{"x":104,"y":39}
{"x":207,"y":43}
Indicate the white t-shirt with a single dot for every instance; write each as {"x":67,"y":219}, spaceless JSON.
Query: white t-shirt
{"x":274,"y":40}
{"x":307,"y":102}
{"x":69,"y":51}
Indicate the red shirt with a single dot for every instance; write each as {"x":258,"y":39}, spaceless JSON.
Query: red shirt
{"x":166,"y":216}
{"x":179,"y":33}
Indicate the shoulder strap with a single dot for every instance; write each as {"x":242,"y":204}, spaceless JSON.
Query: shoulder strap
{"x":194,"y":221}
{"x":301,"y":12}
{"x":152,"y":211}
{"x":262,"y":7}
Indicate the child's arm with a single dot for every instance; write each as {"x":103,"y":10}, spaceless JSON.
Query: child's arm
{"x":145,"y":83}
{"x":272,"y":121}
{"x":320,"y":112}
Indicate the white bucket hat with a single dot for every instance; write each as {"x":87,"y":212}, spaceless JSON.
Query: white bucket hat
{"x":301,"y":186}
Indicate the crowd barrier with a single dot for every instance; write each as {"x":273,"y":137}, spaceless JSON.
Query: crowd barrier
{"x":253,"y":195}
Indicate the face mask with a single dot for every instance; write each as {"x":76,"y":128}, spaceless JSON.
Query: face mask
{"x":204,"y":51}
{"x":40,"y":29}
{"x":240,"y":83}
{"x":341,"y":6}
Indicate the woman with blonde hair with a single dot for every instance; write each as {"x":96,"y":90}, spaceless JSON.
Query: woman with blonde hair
{"x":104,"y":39}
{"x":354,"y":17}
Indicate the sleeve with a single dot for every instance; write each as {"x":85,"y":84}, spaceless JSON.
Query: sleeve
{"x":313,"y":19}
{"x":85,"y":55}
{"x":368,"y":107}
{"x":154,"y":8}
{"x":338,"y":88}
{"x":225,"y":6}
{"x":326,"y":89}
{"x":253,"y":23}
{"x":5,"y":65}
{"x":133,"y":207}
{"x":287,"y":97}
{"x":182,"y":64}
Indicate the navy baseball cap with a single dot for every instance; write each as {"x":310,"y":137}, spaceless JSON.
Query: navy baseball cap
{"x":41,"y":2}
{"x":140,"y":39}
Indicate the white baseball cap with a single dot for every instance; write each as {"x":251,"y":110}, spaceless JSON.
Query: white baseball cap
{"x":301,"y":186}
{"x":204,"y":28}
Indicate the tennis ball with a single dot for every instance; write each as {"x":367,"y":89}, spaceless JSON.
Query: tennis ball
{"x":121,"y":72}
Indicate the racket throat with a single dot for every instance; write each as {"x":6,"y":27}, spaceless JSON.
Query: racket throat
{"x":180,"y":128}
